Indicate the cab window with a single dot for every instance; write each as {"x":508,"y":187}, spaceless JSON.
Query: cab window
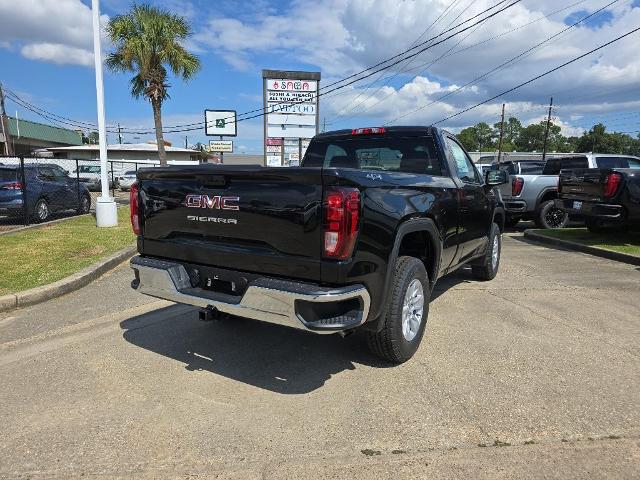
{"x":463,"y":165}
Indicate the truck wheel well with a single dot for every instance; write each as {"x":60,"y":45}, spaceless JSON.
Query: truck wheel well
{"x":548,"y":195}
{"x":419,"y":245}
{"x":499,"y":219}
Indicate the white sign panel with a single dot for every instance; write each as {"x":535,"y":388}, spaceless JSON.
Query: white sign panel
{"x":273,"y":161}
{"x":292,"y":85}
{"x":284,"y":119}
{"x":220,"y":122}
{"x":292,"y":97}
{"x":274,"y":148}
{"x":291,"y":106}
{"x":295,"y":108}
{"x":290,"y":131}
{"x":221,"y":146}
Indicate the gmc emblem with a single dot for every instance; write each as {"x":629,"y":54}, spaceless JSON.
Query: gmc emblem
{"x":216,"y":202}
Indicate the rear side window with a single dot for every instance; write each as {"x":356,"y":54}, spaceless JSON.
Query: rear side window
{"x":8,"y":175}
{"x":617,"y":162}
{"x":554,"y":165}
{"x":531,"y":168}
{"x":393,"y":154}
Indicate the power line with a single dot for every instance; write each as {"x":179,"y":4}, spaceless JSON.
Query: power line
{"x":520,"y":56}
{"x":531,"y":80}
{"x":425,"y":66}
{"x":395,"y":74}
{"x":444,"y":12}
{"x":198,"y":125}
{"x":394,"y":61}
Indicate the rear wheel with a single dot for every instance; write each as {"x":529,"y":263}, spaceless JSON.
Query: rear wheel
{"x":85,"y":204}
{"x":549,"y":216}
{"x":487,"y":268}
{"x":406,"y":315}
{"x":41,"y":211}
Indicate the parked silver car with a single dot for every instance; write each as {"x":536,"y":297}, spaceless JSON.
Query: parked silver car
{"x":127,"y":179}
{"x":89,"y":175}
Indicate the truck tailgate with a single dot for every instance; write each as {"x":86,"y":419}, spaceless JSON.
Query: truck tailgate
{"x":251,"y":219}
{"x":585,"y":184}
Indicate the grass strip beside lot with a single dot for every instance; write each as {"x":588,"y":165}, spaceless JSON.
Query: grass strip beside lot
{"x":623,"y":242}
{"x":35,"y":257}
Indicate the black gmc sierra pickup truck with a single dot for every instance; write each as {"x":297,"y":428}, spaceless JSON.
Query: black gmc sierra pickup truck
{"x":607,"y":198}
{"x":355,"y":237}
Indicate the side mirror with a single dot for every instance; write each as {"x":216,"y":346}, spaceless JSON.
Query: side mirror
{"x":493,"y":178}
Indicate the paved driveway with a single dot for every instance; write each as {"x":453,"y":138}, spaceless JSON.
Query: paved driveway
{"x":534,"y":374}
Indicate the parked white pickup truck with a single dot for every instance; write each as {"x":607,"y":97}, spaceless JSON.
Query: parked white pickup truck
{"x":533,"y":186}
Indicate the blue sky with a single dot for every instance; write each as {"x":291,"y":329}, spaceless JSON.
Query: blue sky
{"x":45,"y":48}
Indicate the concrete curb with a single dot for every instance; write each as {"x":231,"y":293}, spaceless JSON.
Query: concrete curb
{"x":35,"y":226}
{"x":66,"y":285}
{"x":598,"y":252}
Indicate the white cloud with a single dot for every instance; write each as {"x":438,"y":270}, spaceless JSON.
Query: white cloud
{"x":57,"y":53}
{"x":342,"y":37}
{"x":57,"y":31}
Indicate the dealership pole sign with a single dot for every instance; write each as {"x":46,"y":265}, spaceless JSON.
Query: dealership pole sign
{"x":221,"y":123}
{"x":291,"y":115}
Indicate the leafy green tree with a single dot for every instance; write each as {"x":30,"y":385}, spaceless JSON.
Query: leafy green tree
{"x":91,"y":139}
{"x":148,"y":41}
{"x":480,"y":137}
{"x":512,"y":129}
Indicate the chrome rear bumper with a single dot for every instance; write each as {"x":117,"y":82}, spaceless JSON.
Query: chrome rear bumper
{"x":293,"y":304}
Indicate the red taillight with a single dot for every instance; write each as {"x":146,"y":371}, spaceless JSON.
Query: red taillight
{"x":516,"y":186}
{"x":611,"y":184}
{"x":134,"y":207}
{"x":12,"y":186}
{"x":367,"y":131}
{"x":341,"y":218}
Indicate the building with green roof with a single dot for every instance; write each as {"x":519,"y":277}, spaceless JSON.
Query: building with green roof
{"x":26,"y":136}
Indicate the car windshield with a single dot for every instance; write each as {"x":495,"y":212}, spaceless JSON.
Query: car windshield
{"x":409,"y":154}
{"x":617,"y":162}
{"x":88,"y":169}
{"x":8,"y":175}
{"x":130,"y":173}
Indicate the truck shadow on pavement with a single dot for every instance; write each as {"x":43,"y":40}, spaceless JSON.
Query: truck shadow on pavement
{"x":279,"y":359}
{"x":275,"y":358}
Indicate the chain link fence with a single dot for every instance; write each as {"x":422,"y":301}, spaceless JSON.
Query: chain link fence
{"x":35,"y":190}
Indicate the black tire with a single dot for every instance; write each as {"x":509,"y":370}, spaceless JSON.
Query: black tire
{"x":85,"y":205}
{"x":390,"y":343}
{"x":511,"y":222}
{"x":487,"y":268}
{"x":550,"y":217}
{"x":41,"y":211}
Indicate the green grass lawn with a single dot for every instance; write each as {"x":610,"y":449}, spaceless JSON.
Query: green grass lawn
{"x":628,"y":242}
{"x":35,"y":257}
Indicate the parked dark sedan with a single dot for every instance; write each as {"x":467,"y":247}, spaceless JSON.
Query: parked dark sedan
{"x":49,"y":189}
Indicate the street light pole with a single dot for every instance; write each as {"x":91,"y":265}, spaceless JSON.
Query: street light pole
{"x":106,"y":211}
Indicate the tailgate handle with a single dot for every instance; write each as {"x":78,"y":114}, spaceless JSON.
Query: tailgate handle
{"x":212,"y":180}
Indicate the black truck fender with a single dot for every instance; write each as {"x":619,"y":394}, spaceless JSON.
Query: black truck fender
{"x":426,"y":225}
{"x":499,"y":217}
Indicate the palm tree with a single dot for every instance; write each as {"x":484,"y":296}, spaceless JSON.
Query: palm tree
{"x":148,"y":41}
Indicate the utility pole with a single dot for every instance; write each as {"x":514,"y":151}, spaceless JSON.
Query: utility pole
{"x":186,"y":142}
{"x":119,"y":135}
{"x":324,"y":124}
{"x":501,"y":134}
{"x":4,"y":125}
{"x":546,"y":131}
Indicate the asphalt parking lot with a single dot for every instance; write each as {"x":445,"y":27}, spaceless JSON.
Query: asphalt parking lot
{"x":532,"y":375}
